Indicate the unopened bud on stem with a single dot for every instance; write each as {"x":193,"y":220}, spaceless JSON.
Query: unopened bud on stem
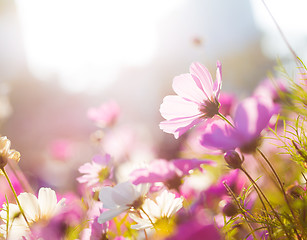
{"x":233,"y":159}
{"x":230,"y":209}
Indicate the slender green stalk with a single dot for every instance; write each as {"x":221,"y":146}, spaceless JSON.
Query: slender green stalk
{"x":7,"y":216}
{"x":261,"y":200}
{"x":225,"y":119}
{"x":240,"y":207}
{"x":15,"y":195}
{"x":282,"y":190}
{"x":268,"y":202}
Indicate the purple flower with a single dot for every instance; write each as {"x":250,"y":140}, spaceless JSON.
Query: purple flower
{"x":168,"y":172}
{"x":197,"y":100}
{"x":251,"y":117}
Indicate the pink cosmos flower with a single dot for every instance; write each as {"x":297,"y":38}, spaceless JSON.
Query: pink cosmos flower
{"x":192,"y":146}
{"x":251,"y":117}
{"x":196,"y":101}
{"x":271,"y":89}
{"x":168,"y":172}
{"x":105,"y":115}
{"x":97,"y":171}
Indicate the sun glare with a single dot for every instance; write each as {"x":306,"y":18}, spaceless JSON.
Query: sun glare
{"x":85,"y":43}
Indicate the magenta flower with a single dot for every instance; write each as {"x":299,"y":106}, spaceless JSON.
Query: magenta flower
{"x":251,"y":117}
{"x":168,"y":172}
{"x":105,"y":115}
{"x":196,"y":101}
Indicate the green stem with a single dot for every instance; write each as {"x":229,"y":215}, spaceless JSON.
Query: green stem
{"x":15,"y":195}
{"x":261,"y":200}
{"x":225,"y":119}
{"x":282,"y":190}
{"x":241,"y":209}
{"x":268,"y":202}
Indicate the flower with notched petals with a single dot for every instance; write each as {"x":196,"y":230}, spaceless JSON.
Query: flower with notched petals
{"x":196,"y":101}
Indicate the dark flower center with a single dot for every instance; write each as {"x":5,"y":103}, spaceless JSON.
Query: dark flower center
{"x":210,"y":108}
{"x":174,"y":183}
{"x":250,"y":146}
{"x":137,"y":203}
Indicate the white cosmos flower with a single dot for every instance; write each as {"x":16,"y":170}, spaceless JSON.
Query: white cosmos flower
{"x":164,"y":207}
{"x":121,"y":198}
{"x":36,"y":209}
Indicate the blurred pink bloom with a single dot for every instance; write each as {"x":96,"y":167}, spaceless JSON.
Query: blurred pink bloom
{"x":61,"y":149}
{"x":270,"y":88}
{"x":105,"y":115}
{"x":97,"y":171}
{"x":120,"y":142}
{"x":227,"y":102}
{"x":196,"y":101}
{"x":168,"y":172}
{"x":251,"y":117}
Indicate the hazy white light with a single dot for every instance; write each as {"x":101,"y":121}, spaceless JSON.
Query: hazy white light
{"x":86,"y":42}
{"x":291,"y":18}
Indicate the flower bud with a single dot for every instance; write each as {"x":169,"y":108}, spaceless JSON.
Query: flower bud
{"x":295,"y":191}
{"x":230,"y":209}
{"x":233,"y":159}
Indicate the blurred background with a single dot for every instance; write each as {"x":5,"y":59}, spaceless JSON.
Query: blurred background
{"x":58,"y":58}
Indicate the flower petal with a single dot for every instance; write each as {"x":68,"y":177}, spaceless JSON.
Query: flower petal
{"x":220,"y":135}
{"x":177,"y":107}
{"x":203,"y":78}
{"x":112,"y":213}
{"x":185,"y":165}
{"x":185,"y":86}
{"x":179,"y":126}
{"x":252,"y":116}
{"x":124,"y":193}
{"x":105,"y":196}
{"x":218,"y":83}
{"x":47,"y":201}
{"x":30,"y":206}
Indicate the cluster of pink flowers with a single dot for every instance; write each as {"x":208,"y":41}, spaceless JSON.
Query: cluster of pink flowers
{"x":208,"y":191}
